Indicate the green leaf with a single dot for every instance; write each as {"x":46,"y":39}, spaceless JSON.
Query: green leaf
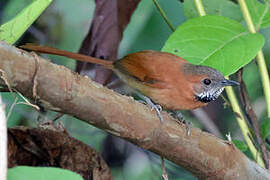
{"x":12,"y":30}
{"x":265,"y":128}
{"x":214,"y":7}
{"x":260,"y":13}
{"x":240,"y":145}
{"x":214,"y":41}
{"x":41,"y":173}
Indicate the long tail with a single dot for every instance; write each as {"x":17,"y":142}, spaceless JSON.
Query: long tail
{"x":76,"y":56}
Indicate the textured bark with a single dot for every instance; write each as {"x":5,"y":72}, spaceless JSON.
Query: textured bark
{"x":57,"y":88}
{"x":51,"y":146}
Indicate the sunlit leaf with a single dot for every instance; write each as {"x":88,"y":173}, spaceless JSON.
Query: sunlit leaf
{"x":215,"y":41}
{"x":12,"y":30}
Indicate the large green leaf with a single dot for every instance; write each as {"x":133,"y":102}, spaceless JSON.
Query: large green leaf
{"x":214,"y":7}
{"x":12,"y":30}
{"x":41,"y":173}
{"x":214,"y":41}
{"x":260,"y":13}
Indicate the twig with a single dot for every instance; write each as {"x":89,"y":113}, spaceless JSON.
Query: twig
{"x":4,"y":77}
{"x":27,"y":102}
{"x":251,"y":116}
{"x":12,"y":107}
{"x":164,"y":172}
{"x":163,"y":14}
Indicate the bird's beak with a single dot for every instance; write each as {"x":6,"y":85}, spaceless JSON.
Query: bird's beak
{"x":227,"y":82}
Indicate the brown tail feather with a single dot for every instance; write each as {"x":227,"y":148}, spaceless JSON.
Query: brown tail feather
{"x":76,"y":56}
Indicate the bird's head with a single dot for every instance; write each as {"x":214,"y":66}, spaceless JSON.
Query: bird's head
{"x":207,"y":83}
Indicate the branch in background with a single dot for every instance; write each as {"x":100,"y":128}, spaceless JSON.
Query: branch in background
{"x":251,"y":116}
{"x":164,"y":16}
{"x":59,"y":89}
{"x":53,"y":147}
{"x":104,"y":36}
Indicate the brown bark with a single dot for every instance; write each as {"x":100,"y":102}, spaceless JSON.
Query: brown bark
{"x":50,"y":146}
{"x":252,"y":117}
{"x":57,"y":88}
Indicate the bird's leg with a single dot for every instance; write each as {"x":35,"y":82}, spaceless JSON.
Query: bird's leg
{"x":153,"y":106}
{"x":179,"y":116}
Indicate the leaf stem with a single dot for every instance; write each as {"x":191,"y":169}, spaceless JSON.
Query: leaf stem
{"x":163,"y":14}
{"x":260,"y":56}
{"x":200,"y":8}
{"x":235,"y":106}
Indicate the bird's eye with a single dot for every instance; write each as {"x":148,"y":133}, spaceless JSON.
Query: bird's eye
{"x":207,"y":81}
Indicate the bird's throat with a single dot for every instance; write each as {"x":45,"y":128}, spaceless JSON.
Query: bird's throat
{"x":208,"y":96}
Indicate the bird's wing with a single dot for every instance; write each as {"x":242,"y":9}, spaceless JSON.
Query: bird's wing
{"x":141,"y":67}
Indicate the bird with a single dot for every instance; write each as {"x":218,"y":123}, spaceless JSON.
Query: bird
{"x":164,"y":78}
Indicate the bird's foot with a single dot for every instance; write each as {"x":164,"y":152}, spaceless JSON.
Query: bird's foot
{"x":179,"y":116}
{"x":158,"y":110}
{"x":153,"y":106}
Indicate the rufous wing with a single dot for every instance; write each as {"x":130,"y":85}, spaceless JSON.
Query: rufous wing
{"x":141,"y":67}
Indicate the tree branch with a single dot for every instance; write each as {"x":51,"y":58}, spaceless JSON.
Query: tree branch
{"x":59,"y":89}
{"x":252,"y":117}
{"x":51,"y":146}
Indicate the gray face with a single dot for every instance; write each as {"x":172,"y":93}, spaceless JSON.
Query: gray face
{"x":211,"y":84}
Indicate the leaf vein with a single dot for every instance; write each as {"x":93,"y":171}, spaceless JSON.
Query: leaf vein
{"x":222,"y":45}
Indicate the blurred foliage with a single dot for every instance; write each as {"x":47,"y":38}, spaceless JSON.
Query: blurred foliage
{"x":64,"y":25}
{"x":212,"y":7}
{"x":240,"y":145}
{"x":46,"y":173}
{"x":260,"y":13}
{"x":265,"y":128}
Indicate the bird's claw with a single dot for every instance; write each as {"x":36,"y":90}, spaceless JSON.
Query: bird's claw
{"x":158,"y":110}
{"x":157,"y":107}
{"x":153,"y":106}
{"x":188,"y":124}
{"x":179,"y":116}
